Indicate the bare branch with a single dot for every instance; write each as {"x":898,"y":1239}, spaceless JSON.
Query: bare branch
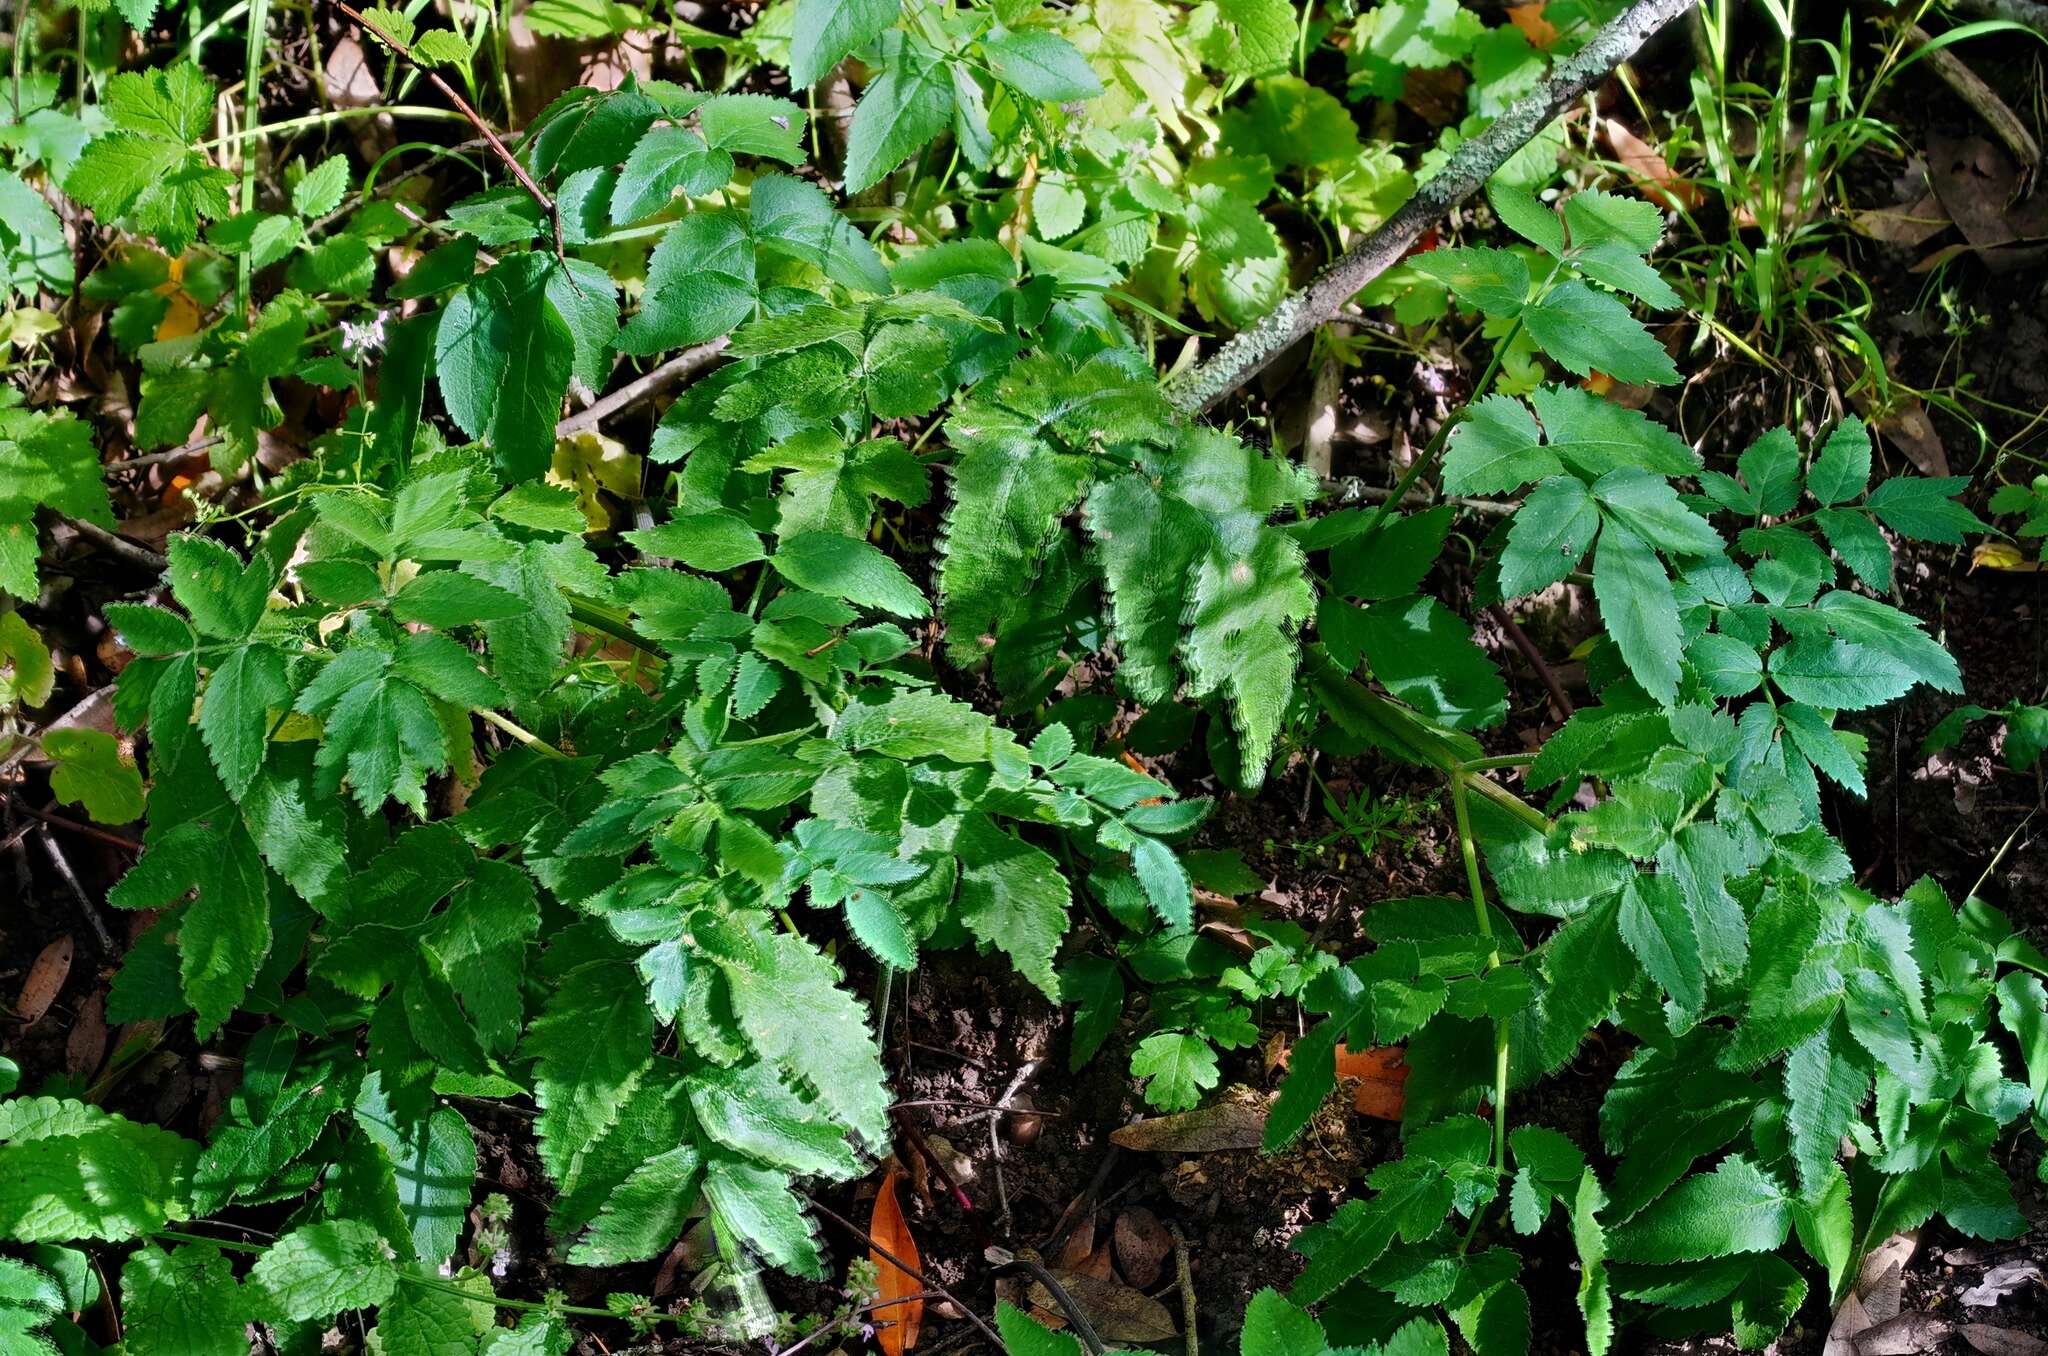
{"x":1471,"y":165}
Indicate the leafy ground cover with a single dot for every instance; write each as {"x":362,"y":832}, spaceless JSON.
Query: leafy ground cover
{"x":784,"y":677}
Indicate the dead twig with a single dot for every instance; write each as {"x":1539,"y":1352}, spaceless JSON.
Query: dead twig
{"x":1558,"y":700}
{"x":92,"y":917}
{"x":677,"y":369}
{"x":134,"y":552}
{"x":483,"y":129}
{"x":1982,"y":99}
{"x":1185,"y":1276}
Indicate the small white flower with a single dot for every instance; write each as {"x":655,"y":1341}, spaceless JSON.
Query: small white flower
{"x":365,"y":338}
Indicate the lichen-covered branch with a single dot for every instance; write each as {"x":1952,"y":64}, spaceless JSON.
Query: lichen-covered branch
{"x":1470,"y":165}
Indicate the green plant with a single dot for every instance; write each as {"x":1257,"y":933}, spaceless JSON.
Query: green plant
{"x":492,"y":763}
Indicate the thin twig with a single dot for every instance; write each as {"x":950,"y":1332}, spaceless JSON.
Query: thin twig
{"x":483,"y":129}
{"x":114,"y":840}
{"x":1558,"y":700}
{"x":1077,"y":1317}
{"x":135,"y":553}
{"x":1971,"y":89}
{"x":1471,"y":165}
{"x":1352,"y":490}
{"x":191,"y":449}
{"x":56,"y":855}
{"x":679,"y":368}
{"x":1185,"y":1274}
{"x":904,"y":1267}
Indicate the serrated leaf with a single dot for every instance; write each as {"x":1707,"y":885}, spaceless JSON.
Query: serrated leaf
{"x":184,"y":1302}
{"x":1737,"y":1208}
{"x":318,"y":1270}
{"x":900,"y":111}
{"x":1641,"y":613}
{"x":1178,"y":1067}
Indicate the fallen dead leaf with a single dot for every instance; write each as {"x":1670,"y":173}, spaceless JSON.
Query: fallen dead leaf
{"x":1073,"y":1254}
{"x":1382,"y":1075}
{"x":1994,"y":1341}
{"x":2000,"y":1281}
{"x":86,"y":1045}
{"x":899,"y":1311}
{"x":1908,"y":224}
{"x":1982,"y":191}
{"x":45,"y":981}
{"x":1647,"y":168}
{"x":1230,"y":1123}
{"x":1907,"y":1334}
{"x":1908,"y":426}
{"x":1541,"y":33}
{"x":1876,"y":1296}
{"x":1142,"y":1245}
{"x":1117,"y":1312}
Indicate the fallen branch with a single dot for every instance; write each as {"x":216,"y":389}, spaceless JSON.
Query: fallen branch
{"x":684,"y":365}
{"x":2029,"y":12}
{"x":1971,"y":89}
{"x":1471,"y":165}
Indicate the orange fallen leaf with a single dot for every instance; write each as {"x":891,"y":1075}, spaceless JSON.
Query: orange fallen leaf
{"x":1654,"y":178}
{"x":45,"y":981}
{"x":1382,"y":1074}
{"x":899,"y":1313}
{"x":1541,"y":33}
{"x":181,"y":317}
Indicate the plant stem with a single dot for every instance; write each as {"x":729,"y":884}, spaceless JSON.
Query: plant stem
{"x":252,"y":113}
{"x":519,"y":732}
{"x":1470,"y":852}
{"x":1443,"y":431}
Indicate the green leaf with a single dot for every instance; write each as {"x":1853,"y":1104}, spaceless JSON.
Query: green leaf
{"x":1640,"y":611}
{"x":591,"y":1046}
{"x":1659,"y":929}
{"x":1596,"y":1302}
{"x":900,"y":111}
{"x":224,"y":934}
{"x":433,"y":1163}
{"x":1024,"y":1335}
{"x":1425,"y":655}
{"x":88,"y":770}
{"x":503,"y":355}
{"x":645,"y":1213}
{"x":799,"y":1018}
{"x":1491,"y":280}
{"x":320,"y":192}
{"x":1824,"y":1091}
{"x":1548,"y":536}
{"x":235,"y":721}
{"x":1842,"y":469}
{"x":448,"y":599}
{"x":1178,"y":1065}
{"x":795,"y":218}
{"x":713,"y":542}
{"x":1496,"y":449}
{"x":826,"y":30}
{"x":318,"y":1270}
{"x":1725,"y":665}
{"x":1589,"y":331}
{"x":185,"y":1302}
{"x":1273,"y":1327}
{"x":664,"y":162}
{"x":1838,"y":675}
{"x":758,"y":1205}
{"x":1039,"y":64}
{"x":1925,"y":509}
{"x":846,"y":567}
{"x":1012,"y":896}
{"x":1392,"y":561}
{"x":753,"y":124}
{"x":1737,"y":1208}
{"x":70,"y":1171}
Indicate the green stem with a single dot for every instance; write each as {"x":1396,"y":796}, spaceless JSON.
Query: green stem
{"x":1470,"y":852}
{"x":1503,"y":760}
{"x":252,"y":111}
{"x":1443,"y":430}
{"x":332,"y":116}
{"x":607,"y":621}
{"x":520,"y":733}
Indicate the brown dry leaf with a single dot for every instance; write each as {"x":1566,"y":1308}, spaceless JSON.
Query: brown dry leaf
{"x":1382,"y":1075}
{"x":1654,"y":178}
{"x":1437,"y":97}
{"x":1116,"y":1311}
{"x":1541,"y":33}
{"x":1908,"y":426}
{"x":86,"y":1046}
{"x":1236,"y":1122}
{"x":898,"y":1316}
{"x":1908,"y":224}
{"x":1981,"y":190}
{"x":1142,"y":1245}
{"x":45,"y":981}
{"x":1993,"y":1341}
{"x":1908,"y":1334}
{"x":1073,"y":1254}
